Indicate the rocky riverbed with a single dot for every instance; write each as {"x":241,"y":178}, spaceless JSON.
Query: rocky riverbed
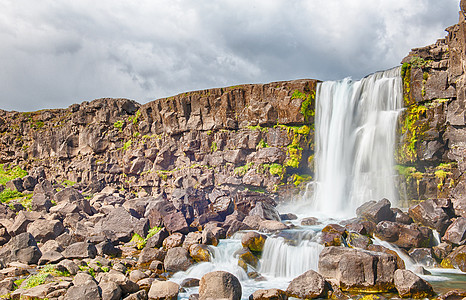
{"x":109,"y":247}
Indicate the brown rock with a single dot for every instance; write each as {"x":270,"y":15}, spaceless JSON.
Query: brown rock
{"x":309,"y":285}
{"x":409,"y":285}
{"x":219,"y":285}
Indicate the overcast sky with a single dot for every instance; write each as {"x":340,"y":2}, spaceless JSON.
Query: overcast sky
{"x":56,"y":53}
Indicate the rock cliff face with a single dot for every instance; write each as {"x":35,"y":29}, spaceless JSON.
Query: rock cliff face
{"x":433,"y":126}
{"x":256,"y":137}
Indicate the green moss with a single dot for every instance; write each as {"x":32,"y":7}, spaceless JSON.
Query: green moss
{"x":88,"y":270}
{"x":276,"y":169}
{"x":35,"y":280}
{"x":241,"y":171}
{"x":7,"y":195}
{"x":307,"y":105}
{"x":153,"y":231}
{"x":138,"y":240}
{"x":261,"y":144}
{"x":258,"y":127}
{"x":418,"y":62}
{"x":411,"y":131}
{"x":213,"y":147}
{"x":119,"y":125}
{"x":68,"y":183}
{"x":299,"y":179}
{"x":127,"y":145}
{"x":7,"y":174}
{"x":135,"y":119}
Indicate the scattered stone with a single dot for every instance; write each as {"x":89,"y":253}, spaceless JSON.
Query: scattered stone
{"x":43,"y":230}
{"x":265,"y":211}
{"x":110,"y":290}
{"x":219,"y":285}
{"x":376,"y":211}
{"x":80,"y":250}
{"x":311,"y":221}
{"x":22,"y":248}
{"x":456,"y":232}
{"x":174,"y":240}
{"x":254,"y":241}
{"x":333,"y":235}
{"x":309,"y":285}
{"x":270,"y":294}
{"x":271,"y":226}
{"x":177,"y":259}
{"x":409,"y":285}
{"x":165,"y":290}
{"x":200,"y":253}
{"x":429,"y":214}
{"x":189,"y":282}
{"x":148,"y":255}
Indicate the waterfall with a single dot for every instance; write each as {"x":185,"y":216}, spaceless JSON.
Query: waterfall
{"x":355,"y":138}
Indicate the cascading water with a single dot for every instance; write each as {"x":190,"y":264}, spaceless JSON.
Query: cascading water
{"x":355,"y":138}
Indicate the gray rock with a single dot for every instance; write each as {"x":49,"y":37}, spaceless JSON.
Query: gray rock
{"x":107,"y":248}
{"x":309,"y":285}
{"x":44,"y":230}
{"x":358,"y":269}
{"x":68,"y":265}
{"x":140,"y":295}
{"x":219,"y":285}
{"x":265,"y":211}
{"x":177,"y":259}
{"x":87,"y":291}
{"x":15,"y":185}
{"x":176,"y":222}
{"x":126,"y":285}
{"x":50,"y":257}
{"x":428,"y":213}
{"x":110,"y":291}
{"x":122,"y":225}
{"x":80,"y":250}
{"x":409,"y":285}
{"x":22,"y":248}
{"x":40,"y":202}
{"x":165,"y":290}
{"x":376,"y":211}
{"x":270,"y":294}
{"x":21,"y":222}
{"x":148,"y":255}
{"x":456,"y":232}
{"x":156,"y":241}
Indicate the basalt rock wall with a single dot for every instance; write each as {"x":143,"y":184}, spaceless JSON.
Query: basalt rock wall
{"x":257,"y":137}
{"x":432,"y":150}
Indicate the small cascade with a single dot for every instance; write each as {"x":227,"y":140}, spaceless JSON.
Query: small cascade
{"x":355,"y":138}
{"x":289,"y":258}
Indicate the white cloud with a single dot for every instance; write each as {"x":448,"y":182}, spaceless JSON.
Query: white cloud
{"x":55,"y":53}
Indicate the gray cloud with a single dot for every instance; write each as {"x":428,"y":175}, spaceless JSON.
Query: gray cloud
{"x":55,"y":53}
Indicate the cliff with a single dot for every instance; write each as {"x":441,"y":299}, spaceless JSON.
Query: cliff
{"x":433,"y":127}
{"x":257,"y":137}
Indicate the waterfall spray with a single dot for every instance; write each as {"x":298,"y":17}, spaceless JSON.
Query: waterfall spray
{"x":355,"y":139}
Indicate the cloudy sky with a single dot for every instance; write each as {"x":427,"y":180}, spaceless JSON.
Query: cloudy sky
{"x":55,"y":53}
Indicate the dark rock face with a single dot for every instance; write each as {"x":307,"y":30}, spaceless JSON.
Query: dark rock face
{"x":219,"y":285}
{"x":429,"y":214}
{"x":456,"y":232}
{"x":404,"y":236}
{"x":358,"y":270}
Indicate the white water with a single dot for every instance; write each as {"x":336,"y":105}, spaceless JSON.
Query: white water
{"x":355,"y":139}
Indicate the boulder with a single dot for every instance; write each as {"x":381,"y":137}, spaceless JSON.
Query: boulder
{"x":177,"y":259}
{"x":265,"y":211}
{"x":236,"y":226}
{"x":378,"y":248}
{"x":219,"y":285}
{"x":43,"y":230}
{"x":40,"y":202}
{"x":423,"y":256}
{"x":174,"y":240}
{"x":245,"y":258}
{"x":148,"y":255}
{"x":376,"y":211}
{"x":156,"y":241}
{"x":409,"y":285}
{"x":87,"y":290}
{"x":191,"y":239}
{"x":221,"y":202}
{"x":107,"y":248}
{"x":80,"y":250}
{"x":456,"y":259}
{"x":254,"y":241}
{"x":456,"y":232}
{"x":71,"y":195}
{"x":441,"y":251}
{"x":428,"y":213}
{"x":110,"y":290}
{"x":22,"y":248}
{"x":200,"y":253}
{"x":310,"y":221}
{"x":29,"y":182}
{"x":50,"y":257}
{"x":309,"y":285}
{"x":139,"y":295}
{"x":21,"y":222}
{"x":15,"y":185}
{"x":358,"y":270}
{"x":271,"y":226}
{"x":357,"y":240}
{"x":176,"y":222}
{"x":121,"y":225}
{"x":333,"y":235}
{"x":404,"y":236}
{"x":69,"y":266}
{"x":126,"y":285}
{"x":163,"y":290}
{"x":269,"y":294}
